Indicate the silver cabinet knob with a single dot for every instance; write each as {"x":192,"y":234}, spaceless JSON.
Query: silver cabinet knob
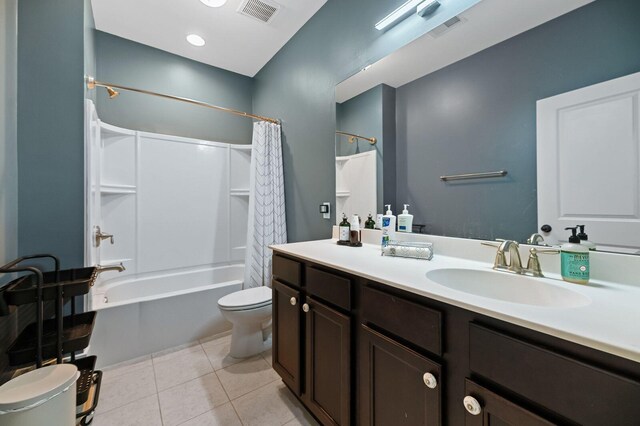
{"x":472,"y":405}
{"x":305,"y":307}
{"x":430,"y":380}
{"x":293,"y":301}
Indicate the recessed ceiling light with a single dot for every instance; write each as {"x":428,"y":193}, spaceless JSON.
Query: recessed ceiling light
{"x":213,"y":3}
{"x":196,"y":40}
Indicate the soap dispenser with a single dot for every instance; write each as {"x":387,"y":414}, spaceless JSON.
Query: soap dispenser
{"x":584,"y":239}
{"x":344,"y":229}
{"x":370,"y":223}
{"x":388,"y":226}
{"x":574,"y":259}
{"x":405,"y":220}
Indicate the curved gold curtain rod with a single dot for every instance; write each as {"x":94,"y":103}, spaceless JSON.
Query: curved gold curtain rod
{"x":372,"y":141}
{"x":92,"y":83}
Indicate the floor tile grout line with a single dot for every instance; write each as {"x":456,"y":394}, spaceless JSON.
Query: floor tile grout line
{"x":253,"y":390}
{"x":134,"y":400}
{"x":155,"y":381}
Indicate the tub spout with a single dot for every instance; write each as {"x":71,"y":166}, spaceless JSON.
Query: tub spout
{"x":100,"y":269}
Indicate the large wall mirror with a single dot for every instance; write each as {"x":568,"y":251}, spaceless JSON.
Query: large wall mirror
{"x":468,"y":98}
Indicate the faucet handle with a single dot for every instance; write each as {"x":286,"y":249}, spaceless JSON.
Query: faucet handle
{"x":488,"y":244}
{"x":533,"y":264}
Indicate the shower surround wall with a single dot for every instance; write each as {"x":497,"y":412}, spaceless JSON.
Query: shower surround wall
{"x":175,"y":207}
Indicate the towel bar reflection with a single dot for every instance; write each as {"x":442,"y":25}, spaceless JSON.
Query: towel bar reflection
{"x":483,"y":175}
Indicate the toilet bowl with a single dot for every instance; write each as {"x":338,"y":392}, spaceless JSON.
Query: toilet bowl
{"x":250,"y":313}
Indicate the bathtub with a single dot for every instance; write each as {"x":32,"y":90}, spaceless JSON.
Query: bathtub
{"x":139,"y":316}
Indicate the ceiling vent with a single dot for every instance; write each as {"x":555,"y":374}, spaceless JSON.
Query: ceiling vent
{"x":261,"y":10}
{"x":440,"y":30}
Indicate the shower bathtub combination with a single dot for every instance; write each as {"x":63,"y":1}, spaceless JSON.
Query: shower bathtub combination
{"x":169,"y":202}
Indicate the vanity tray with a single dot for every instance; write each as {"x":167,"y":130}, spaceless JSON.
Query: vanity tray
{"x":75,"y":282}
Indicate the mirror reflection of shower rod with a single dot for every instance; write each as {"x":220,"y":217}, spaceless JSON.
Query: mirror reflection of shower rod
{"x":92,"y":83}
{"x":354,"y":138}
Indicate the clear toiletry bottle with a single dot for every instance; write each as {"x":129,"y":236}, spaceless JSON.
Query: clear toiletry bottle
{"x":354,"y":234}
{"x":344,"y":229}
{"x":405,"y":220}
{"x":574,"y":260}
{"x":584,"y":239}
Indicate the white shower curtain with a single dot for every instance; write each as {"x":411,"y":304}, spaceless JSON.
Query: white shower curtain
{"x":267,"y":220}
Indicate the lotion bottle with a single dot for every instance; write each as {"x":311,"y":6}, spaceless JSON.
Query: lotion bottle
{"x":584,"y":239}
{"x":388,"y":226}
{"x":574,"y":260}
{"x":405,"y":220}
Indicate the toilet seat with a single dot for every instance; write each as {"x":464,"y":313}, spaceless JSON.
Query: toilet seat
{"x":251,"y":298}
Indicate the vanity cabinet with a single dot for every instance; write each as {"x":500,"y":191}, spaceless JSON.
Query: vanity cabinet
{"x":312,"y":338}
{"x":360,"y":352}
{"x":398,"y":386}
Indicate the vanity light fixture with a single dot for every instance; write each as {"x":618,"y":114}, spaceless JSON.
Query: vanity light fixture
{"x":213,"y":3}
{"x":195,"y":40}
{"x":427,"y":7}
{"x":398,"y":14}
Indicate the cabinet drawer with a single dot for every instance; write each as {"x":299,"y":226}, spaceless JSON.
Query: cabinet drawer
{"x":329,"y":287}
{"x":287,"y":270}
{"x":415,"y":323}
{"x":577,"y":391}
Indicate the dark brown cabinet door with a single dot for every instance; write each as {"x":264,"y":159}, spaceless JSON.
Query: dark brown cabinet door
{"x":328,"y":358}
{"x":286,"y":335}
{"x":485,"y":408}
{"x":397,"y":385}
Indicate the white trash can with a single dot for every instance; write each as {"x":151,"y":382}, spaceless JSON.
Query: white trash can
{"x":42,"y":397}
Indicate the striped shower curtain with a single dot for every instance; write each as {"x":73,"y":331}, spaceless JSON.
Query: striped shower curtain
{"x":267,"y":221}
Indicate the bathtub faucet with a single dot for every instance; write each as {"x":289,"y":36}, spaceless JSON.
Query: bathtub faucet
{"x":100,"y":269}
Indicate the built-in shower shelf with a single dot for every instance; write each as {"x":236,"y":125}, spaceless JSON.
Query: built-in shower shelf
{"x":343,"y":193}
{"x":109,"y":262}
{"x":114,"y":189}
{"x":239,"y":192}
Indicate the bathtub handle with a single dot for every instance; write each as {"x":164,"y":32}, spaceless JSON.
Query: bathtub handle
{"x":293,"y":301}
{"x":305,"y":307}
{"x":102,"y":236}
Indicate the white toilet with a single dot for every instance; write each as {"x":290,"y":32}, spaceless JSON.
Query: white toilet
{"x":250,"y":313}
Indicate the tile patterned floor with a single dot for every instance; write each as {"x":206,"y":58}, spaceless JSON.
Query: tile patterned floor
{"x":197,"y":385}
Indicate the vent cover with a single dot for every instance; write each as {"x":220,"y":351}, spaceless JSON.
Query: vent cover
{"x":446,"y":27}
{"x":259,"y":9}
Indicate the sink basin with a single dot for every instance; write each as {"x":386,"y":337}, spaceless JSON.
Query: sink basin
{"x":508,"y":287}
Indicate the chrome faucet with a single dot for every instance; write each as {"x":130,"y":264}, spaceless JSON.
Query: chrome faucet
{"x":513,"y":263}
{"x":120,"y":268}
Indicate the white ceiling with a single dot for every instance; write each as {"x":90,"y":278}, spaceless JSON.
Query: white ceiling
{"x":233,"y":42}
{"x":487,"y":23}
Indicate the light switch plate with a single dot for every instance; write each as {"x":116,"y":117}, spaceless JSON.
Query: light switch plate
{"x":325,"y":209}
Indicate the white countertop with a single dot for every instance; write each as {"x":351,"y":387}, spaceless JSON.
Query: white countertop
{"x":610,"y":323}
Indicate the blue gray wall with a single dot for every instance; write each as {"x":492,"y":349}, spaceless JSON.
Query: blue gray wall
{"x":298,"y":86}
{"x":51,"y":67}
{"x":479,"y":114}
{"x":8,"y":137}
{"x":125,"y":62}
